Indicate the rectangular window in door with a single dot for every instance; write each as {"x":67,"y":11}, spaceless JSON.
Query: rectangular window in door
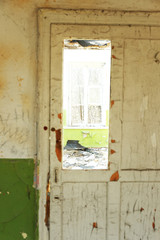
{"x":86,"y":100}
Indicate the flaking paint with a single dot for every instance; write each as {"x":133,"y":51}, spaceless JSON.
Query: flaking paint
{"x":114,"y":177}
{"x":58,"y":147}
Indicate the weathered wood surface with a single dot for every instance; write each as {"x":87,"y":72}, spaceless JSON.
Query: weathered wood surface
{"x":43,"y":117}
{"x":113,"y":210}
{"x":84,"y":211}
{"x":140,"y":211}
{"x":141,"y":113}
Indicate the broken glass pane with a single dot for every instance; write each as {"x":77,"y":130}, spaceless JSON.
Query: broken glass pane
{"x":86,"y":88}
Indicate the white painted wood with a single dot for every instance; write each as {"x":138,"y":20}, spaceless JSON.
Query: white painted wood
{"x":113,"y":218}
{"x":43,"y":118}
{"x":140,"y":176}
{"x":140,"y":211}
{"x":84,"y":211}
{"x":115,"y":116}
{"x":55,"y":109}
{"x":141,"y":148}
{"x":102,"y":17}
{"x":60,"y":32}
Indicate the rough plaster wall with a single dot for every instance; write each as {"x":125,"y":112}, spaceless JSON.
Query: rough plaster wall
{"x":17,"y":83}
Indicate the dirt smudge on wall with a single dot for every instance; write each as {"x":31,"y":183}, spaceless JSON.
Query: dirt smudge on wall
{"x":26,"y":102}
{"x":20,"y":3}
{"x":19,"y":79}
{"x":3,"y":85}
{"x":9,"y":52}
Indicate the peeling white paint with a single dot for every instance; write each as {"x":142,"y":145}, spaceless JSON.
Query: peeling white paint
{"x":8,"y":193}
{"x":153,"y":140}
{"x":24,"y":235}
{"x":84,"y":135}
{"x":144,"y":106}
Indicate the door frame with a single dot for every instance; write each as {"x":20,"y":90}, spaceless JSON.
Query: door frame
{"x":46,"y":17}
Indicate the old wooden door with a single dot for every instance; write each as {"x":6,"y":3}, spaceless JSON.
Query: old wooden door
{"x":79,"y":198}
{"x":123,"y":201}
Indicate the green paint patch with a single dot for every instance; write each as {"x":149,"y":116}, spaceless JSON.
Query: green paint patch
{"x":18,"y":200}
{"x":87,"y":137}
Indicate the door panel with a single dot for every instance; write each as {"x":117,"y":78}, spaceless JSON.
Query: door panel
{"x":87,"y":204}
{"x":78,"y":197}
{"x":84,"y":211}
{"x":140,"y":211}
{"x":141,"y":114}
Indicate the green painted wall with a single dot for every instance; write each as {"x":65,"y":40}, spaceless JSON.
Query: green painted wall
{"x":87,"y":137}
{"x":18,"y":200}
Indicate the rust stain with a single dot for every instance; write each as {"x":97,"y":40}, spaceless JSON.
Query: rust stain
{"x":47,"y":206}
{"x":153,"y":225}
{"x":113,"y":56}
{"x":53,"y":129}
{"x":95,"y":225}
{"x":112,"y":47}
{"x":45,"y":128}
{"x":114,"y":177}
{"x":113,"y":141}
{"x":112,"y":103}
{"x":58,"y":145}
{"x":142,"y":209}
{"x":60,"y":117}
{"x":113,"y":151}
